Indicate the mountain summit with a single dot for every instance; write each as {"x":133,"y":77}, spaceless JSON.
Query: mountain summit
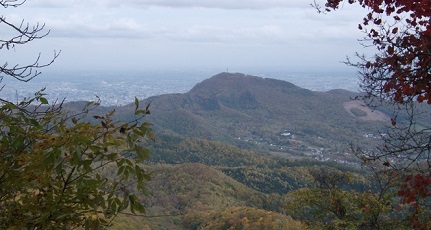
{"x":240,"y":91}
{"x":237,"y":81}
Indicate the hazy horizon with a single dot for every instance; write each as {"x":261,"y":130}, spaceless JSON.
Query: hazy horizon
{"x":119,"y":88}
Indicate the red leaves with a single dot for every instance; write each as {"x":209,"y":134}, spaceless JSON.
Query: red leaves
{"x":404,"y":55}
{"x":406,"y":90}
{"x":377,"y":21}
{"x":403,"y":45}
{"x":369,"y":16}
{"x":400,"y":31}
{"x":408,"y":178}
{"x":393,"y":122}
{"x":390,"y":10}
{"x":420,"y":98}
{"x":375,"y":35}
{"x":416,"y":188}
{"x":333,"y":4}
{"x":390,"y":50}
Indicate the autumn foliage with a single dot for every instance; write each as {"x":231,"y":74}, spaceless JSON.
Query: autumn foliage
{"x":400,"y":72}
{"x":55,"y":164}
{"x":415,"y":192}
{"x":401,"y":32}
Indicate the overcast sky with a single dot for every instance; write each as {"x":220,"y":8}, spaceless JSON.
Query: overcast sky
{"x":242,"y":35}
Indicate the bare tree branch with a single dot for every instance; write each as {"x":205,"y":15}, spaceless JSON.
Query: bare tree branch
{"x":11,"y":3}
{"x":21,"y":33}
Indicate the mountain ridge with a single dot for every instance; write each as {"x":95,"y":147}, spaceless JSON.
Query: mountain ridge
{"x":229,"y":106}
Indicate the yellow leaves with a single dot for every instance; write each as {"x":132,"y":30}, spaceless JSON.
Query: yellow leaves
{"x":336,"y":206}
{"x":250,"y":218}
{"x":299,"y":199}
{"x":61,"y":157}
{"x":142,"y":153}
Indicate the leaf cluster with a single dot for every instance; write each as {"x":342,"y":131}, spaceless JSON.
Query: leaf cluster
{"x":401,"y":32}
{"x":53,"y":165}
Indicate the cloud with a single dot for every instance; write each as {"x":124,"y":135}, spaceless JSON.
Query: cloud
{"x":223,"y":4}
{"x":200,"y":30}
{"x":51,"y":3}
{"x":187,"y":22}
{"x":216,"y":4}
{"x":81,"y":25}
{"x":207,"y":34}
{"x":126,"y":28}
{"x":185,"y":25}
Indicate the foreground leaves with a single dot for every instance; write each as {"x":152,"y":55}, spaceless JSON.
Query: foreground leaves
{"x":53,"y":166}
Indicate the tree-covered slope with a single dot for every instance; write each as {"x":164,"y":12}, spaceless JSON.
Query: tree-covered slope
{"x":252,"y":111}
{"x":234,"y":147}
{"x":194,"y":196}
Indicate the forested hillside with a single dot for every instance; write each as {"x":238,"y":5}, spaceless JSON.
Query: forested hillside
{"x":267,"y":115}
{"x":229,"y":152}
{"x":244,"y":151}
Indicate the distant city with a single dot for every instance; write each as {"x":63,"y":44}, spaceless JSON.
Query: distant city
{"x":121,"y":88}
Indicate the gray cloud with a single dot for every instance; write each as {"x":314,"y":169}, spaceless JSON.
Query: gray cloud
{"x":223,"y":4}
{"x":157,"y":32}
{"x":51,"y":3}
{"x":216,"y":4}
{"x":86,"y":27}
{"x":129,"y":28}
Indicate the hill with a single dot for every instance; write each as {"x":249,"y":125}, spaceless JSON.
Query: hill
{"x":231,"y":148}
{"x":263,"y":172}
{"x":266,"y":114}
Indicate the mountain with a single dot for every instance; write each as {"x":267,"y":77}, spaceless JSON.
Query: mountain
{"x":254,"y":129}
{"x":231,"y":148}
{"x":254,"y":112}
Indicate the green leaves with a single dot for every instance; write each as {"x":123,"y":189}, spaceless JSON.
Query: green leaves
{"x":135,"y":205}
{"x":141,"y":153}
{"x":43,"y":100}
{"x":142,"y":112}
{"x":63,"y":170}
